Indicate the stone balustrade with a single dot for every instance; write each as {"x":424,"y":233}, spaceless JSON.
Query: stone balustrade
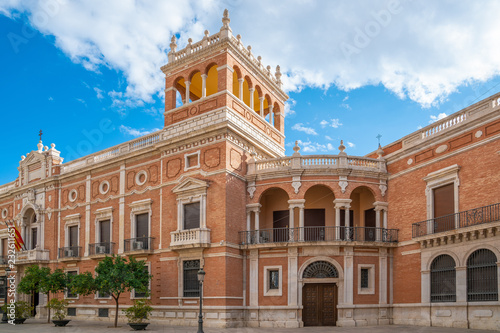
{"x":190,"y":237}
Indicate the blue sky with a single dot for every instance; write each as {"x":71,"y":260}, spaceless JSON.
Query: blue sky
{"x":88,"y":73}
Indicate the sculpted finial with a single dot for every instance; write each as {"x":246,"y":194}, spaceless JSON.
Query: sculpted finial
{"x":173,"y":44}
{"x":341,"y":147}
{"x":226,"y":19}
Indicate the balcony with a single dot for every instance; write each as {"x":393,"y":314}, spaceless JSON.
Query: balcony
{"x":32,"y":256}
{"x":101,"y":249}
{"x":69,"y":253}
{"x":199,"y":237}
{"x":468,"y":220}
{"x":4,"y":260}
{"x":138,"y":245}
{"x":318,"y":234}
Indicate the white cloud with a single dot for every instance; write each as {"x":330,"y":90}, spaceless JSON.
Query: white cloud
{"x":315,"y":147}
{"x":307,"y":130}
{"x":328,"y":138}
{"x":99,"y":93}
{"x":419,"y":50}
{"x":136,"y":132}
{"x":438,"y":117}
{"x":351,"y":145}
{"x":335,"y":123}
{"x":288,"y":107}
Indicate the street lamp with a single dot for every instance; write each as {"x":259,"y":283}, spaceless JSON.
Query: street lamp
{"x":3,"y":283}
{"x":201,"y":277}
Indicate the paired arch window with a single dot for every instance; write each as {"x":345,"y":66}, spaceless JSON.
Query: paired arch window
{"x":320,"y":269}
{"x":443,"y":279}
{"x":482,"y":276}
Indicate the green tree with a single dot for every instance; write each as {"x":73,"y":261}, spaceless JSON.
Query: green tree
{"x":41,"y":279}
{"x":82,"y":284}
{"x":116,"y":275}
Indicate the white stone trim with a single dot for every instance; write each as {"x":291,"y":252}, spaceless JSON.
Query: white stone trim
{"x":440,"y":178}
{"x":138,"y":177}
{"x":102,"y":185}
{"x":186,"y":161}
{"x":140,"y":207}
{"x":371,"y":279}
{"x":70,"y":221}
{"x":103,"y":214}
{"x":4,"y":213}
{"x":273,"y":292}
{"x":72,"y":195}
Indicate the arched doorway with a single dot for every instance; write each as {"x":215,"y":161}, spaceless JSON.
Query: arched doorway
{"x":319,"y":294}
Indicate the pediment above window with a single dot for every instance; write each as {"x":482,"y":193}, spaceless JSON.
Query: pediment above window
{"x":190,"y":186}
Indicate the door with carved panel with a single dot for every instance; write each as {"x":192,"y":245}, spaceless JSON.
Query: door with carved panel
{"x":319,"y":304}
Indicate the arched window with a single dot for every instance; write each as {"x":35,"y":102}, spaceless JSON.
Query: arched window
{"x":443,"y":278}
{"x":482,"y":276}
{"x":320,"y":270}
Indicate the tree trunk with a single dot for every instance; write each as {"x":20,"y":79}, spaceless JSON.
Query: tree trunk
{"x":116,"y":310}
{"x":48,"y":314}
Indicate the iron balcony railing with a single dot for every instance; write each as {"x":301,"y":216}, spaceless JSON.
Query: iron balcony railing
{"x":101,"y":248}
{"x":3,"y":260}
{"x":318,"y":234}
{"x":485,"y":214}
{"x":69,"y":252}
{"x":138,"y":244}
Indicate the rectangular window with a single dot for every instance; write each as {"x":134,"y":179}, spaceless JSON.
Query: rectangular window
{"x":69,"y":294}
{"x":3,"y":259}
{"x":192,"y":215}
{"x":34,"y":238}
{"x":444,"y":207}
{"x":274,"y":279}
{"x":103,"y":312}
{"x":102,"y":295}
{"x":142,"y":225}
{"x":191,"y":284}
{"x":73,"y":235}
{"x":3,"y":286}
{"x":365,"y":273}
{"x":105,"y":232}
{"x":71,"y":312}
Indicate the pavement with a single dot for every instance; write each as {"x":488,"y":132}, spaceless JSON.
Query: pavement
{"x":80,"y":326}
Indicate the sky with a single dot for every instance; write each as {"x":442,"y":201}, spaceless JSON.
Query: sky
{"x":87,"y":73}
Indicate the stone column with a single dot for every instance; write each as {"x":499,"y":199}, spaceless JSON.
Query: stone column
{"x":347,"y":222}
{"x":254,"y":278}
{"x":240,"y":81}
{"x":377,"y":224}
{"x":461,"y":283}
{"x":380,"y":208}
{"x":253,"y":208}
{"x":383,"y":276}
{"x":204,"y":85}
{"x":251,"y":98}
{"x":426,"y":287}
{"x":292,"y":276}
{"x":261,"y":99}
{"x":301,"y":223}
{"x":348,"y":275}
{"x":187,"y":91}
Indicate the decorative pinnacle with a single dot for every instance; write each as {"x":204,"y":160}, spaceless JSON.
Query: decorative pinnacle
{"x":173,"y":44}
{"x":341,"y":147}
{"x":226,"y":19}
{"x":380,"y":151}
{"x":278,"y":73}
{"x":296,"y":148}
{"x":207,"y":33}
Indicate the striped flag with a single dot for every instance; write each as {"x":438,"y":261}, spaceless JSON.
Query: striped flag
{"x":19,"y":242}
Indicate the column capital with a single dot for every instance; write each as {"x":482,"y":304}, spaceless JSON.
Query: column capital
{"x":255,"y":207}
{"x":261,"y":98}
{"x":342,"y":203}
{"x":241,"y":80}
{"x":204,"y":76}
{"x":187,"y":82}
{"x":299,"y":203}
{"x":380,"y":205}
{"x":252,"y":89}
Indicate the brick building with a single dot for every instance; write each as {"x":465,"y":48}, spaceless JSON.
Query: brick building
{"x":408,"y":234}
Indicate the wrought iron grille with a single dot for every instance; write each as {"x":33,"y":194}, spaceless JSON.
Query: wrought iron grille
{"x":364,"y":278}
{"x":482,"y":276}
{"x":443,"y":279}
{"x":191,"y":284}
{"x":459,"y":220}
{"x":103,"y":312}
{"x":321,"y":270}
{"x":71,"y":312}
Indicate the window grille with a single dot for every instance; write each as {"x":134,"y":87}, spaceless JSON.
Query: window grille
{"x":274,"y":279}
{"x":482,"y":276}
{"x":443,"y":279}
{"x":103,"y":313}
{"x":364,"y":277}
{"x":320,"y":269}
{"x":191,"y":284}
{"x":71,"y":312}
{"x":192,"y":215}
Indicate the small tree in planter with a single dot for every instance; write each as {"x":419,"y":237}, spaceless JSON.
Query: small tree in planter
{"x":115,"y":275}
{"x":138,"y":313}
{"x":60,"y":311}
{"x":22,"y":311}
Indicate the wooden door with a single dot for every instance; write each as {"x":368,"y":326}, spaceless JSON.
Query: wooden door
{"x":444,"y":207}
{"x":370,"y":224}
{"x":314,"y":218}
{"x":320,"y":304}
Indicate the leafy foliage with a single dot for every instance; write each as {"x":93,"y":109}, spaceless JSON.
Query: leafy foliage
{"x":116,"y":275}
{"x":139,"y":312}
{"x":22,"y":309}
{"x":82,"y":284}
{"x":59,"y":307}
